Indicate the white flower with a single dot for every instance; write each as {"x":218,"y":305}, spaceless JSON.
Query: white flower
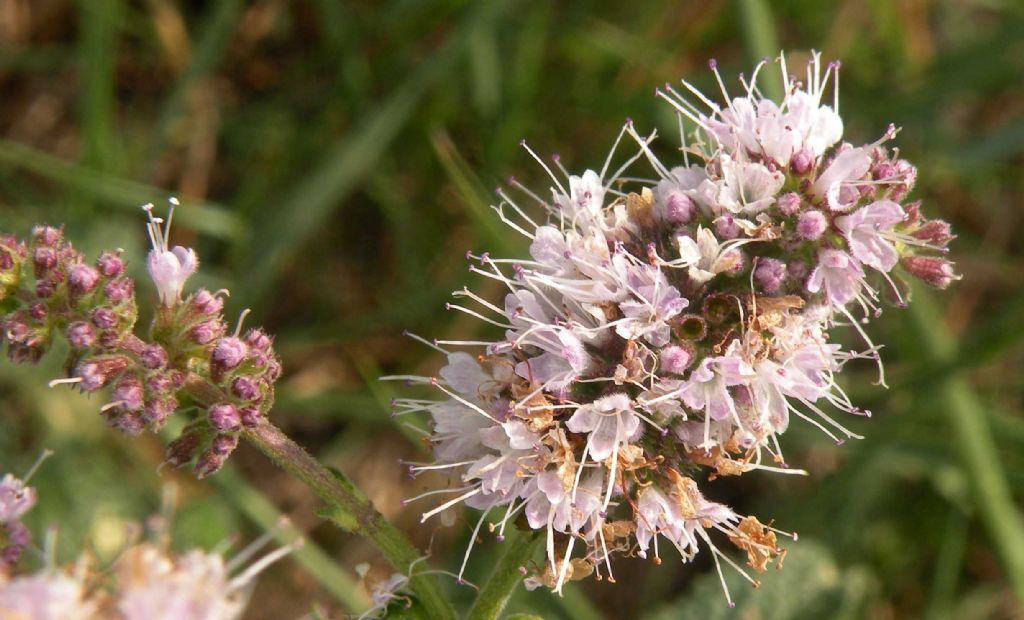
{"x":168,"y":267}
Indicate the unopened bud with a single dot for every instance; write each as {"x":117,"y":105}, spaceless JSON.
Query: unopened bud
{"x":811,"y":225}
{"x":119,"y":290}
{"x":935,"y":232}
{"x":82,"y":279}
{"x":153,"y":357}
{"x":81,"y":335}
{"x":258,"y":339}
{"x":208,"y":463}
{"x":110,"y":265}
{"x":678,"y":207}
{"x":183,"y":449}
{"x":246,"y":388}
{"x":47,"y":235}
{"x":128,"y":392}
{"x":229,"y":353}
{"x":727,"y":228}
{"x":675,"y":359}
{"x":223,"y":417}
{"x":801,"y":162}
{"x":770,"y":274}
{"x":206,"y":303}
{"x":204,"y":333}
{"x":44,"y":260}
{"x":932,"y":270}
{"x":38,"y":311}
{"x":104,"y":318}
{"x":224,"y":445}
{"x":789,"y":204}
{"x":250,"y":416}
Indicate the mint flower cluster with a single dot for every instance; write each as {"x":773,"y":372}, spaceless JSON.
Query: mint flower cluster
{"x":190,"y":360}
{"x":669,"y":325}
{"x":148,"y":581}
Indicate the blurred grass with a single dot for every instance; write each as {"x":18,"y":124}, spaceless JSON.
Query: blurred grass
{"x":336,"y":161}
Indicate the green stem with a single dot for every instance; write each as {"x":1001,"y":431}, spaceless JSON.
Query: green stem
{"x":492,"y":599}
{"x":977,"y":446}
{"x":350,"y":509}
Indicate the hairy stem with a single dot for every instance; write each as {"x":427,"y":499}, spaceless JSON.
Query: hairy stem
{"x":347,"y":506}
{"x":492,"y":599}
{"x":350,"y":509}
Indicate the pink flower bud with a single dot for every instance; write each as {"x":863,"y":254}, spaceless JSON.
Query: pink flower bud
{"x":119,"y":290}
{"x":104,"y":318}
{"x":223,"y":417}
{"x":727,"y":228}
{"x":183,"y":449}
{"x":82,"y":279}
{"x":128,"y":392}
{"x":44,"y":260}
{"x":110,"y":265}
{"x":153,"y":357}
{"x":811,"y":225}
{"x":229,"y":353}
{"x":675,"y":359}
{"x":679,"y":207}
{"x":246,"y":388}
{"x":789,"y":204}
{"x":250,"y":416}
{"x":932,"y":270}
{"x":47,"y":235}
{"x":770,"y":274}
{"x":206,"y":303}
{"x":801,"y":162}
{"x":81,"y":335}
{"x":936,"y":232}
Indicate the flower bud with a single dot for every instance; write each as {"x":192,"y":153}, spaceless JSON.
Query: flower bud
{"x":38,"y":311}
{"x":229,"y":353}
{"x":128,"y":392}
{"x":204,"y":333}
{"x":104,"y":318}
{"x":932,"y":270}
{"x":678,"y":207}
{"x":797,"y":269}
{"x":129,"y":423}
{"x":789,"y":204}
{"x":208,"y":463}
{"x":811,"y":225}
{"x":801,"y":162}
{"x":157,"y":410}
{"x":119,"y":289}
{"x":675,"y":359}
{"x":82,"y":279}
{"x":224,"y":445}
{"x":81,"y":335}
{"x":153,"y":357}
{"x":47,"y":235}
{"x":258,"y":339}
{"x":206,"y":303}
{"x":43,"y":261}
{"x":223,"y":417}
{"x":935,"y":232}
{"x":183,"y":449}
{"x":770,"y":274}
{"x":110,"y":265}
{"x":246,"y":388}
{"x":45,"y":288}
{"x":97,"y":372}
{"x":727,"y":228}
{"x":250,"y":416}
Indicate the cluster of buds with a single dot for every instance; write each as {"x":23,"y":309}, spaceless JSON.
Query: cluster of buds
{"x":148,"y":581}
{"x":54,"y":290}
{"x":669,"y":324}
{"x":47,"y":287}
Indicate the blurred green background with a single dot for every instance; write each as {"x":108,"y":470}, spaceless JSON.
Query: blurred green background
{"x":336,"y":160}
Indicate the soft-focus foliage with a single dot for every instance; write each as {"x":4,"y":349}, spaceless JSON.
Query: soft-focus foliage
{"x":334,"y":160}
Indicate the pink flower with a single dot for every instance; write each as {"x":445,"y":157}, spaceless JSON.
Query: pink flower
{"x":838,"y":274}
{"x":867,"y":231}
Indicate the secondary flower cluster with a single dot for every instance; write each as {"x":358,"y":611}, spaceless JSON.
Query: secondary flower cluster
{"x":667,"y":328}
{"x":48,"y":288}
{"x":147,"y":582}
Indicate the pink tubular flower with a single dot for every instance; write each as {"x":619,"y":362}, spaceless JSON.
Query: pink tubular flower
{"x":838,"y":274}
{"x":867,"y":231}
